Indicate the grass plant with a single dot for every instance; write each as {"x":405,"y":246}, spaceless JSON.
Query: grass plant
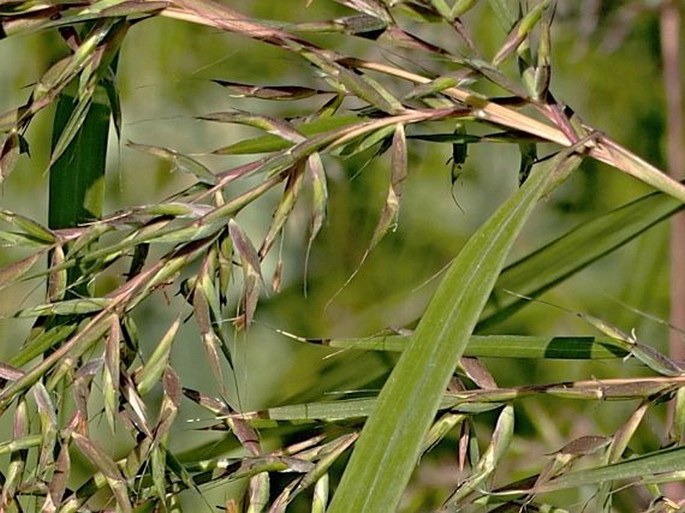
{"x":86,"y":371}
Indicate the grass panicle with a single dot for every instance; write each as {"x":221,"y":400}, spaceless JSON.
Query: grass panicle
{"x":88,"y":370}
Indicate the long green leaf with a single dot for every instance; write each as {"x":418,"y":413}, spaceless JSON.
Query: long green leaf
{"x":658,"y":462}
{"x":390,"y":443}
{"x":572,"y":252}
{"x":272,"y":142}
{"x":77,"y":176}
{"x":499,"y":346}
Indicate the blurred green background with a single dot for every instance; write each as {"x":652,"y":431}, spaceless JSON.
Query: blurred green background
{"x":606,"y":68}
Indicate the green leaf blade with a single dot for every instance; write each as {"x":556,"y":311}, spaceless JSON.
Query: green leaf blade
{"x":390,"y":443}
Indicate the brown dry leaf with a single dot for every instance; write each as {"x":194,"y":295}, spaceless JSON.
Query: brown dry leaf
{"x":390,"y":212}
{"x":10,"y":148}
{"x":106,"y":465}
{"x":252,"y":274}
{"x":215,"y":406}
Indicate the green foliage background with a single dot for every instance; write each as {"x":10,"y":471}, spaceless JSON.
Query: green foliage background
{"x":609,"y":74}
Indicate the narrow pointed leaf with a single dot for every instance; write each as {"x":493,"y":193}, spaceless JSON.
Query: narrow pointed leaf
{"x":71,"y":129}
{"x":104,"y":463}
{"x":170,"y":404}
{"x":381,"y":137}
{"x":158,"y":466}
{"x":58,"y":484}
{"x":180,"y":161}
{"x":114,"y":104}
{"x":66,"y":307}
{"x":446,"y":423}
{"x":252,"y":276}
{"x":269,"y":143}
{"x":361,"y":25}
{"x":362,"y":86}
{"x":542,"y":74}
{"x":501,"y":346}
{"x":327,"y":457}
{"x":319,"y":194}
{"x":529,"y":155}
{"x":111,"y":372}
{"x":284,"y":208}
{"x":258,"y":497}
{"x":264,"y":144}
{"x":556,"y":261}
{"x":619,"y":443}
{"x":647,"y":465}
{"x":77,"y":168}
{"x":13,"y":474}
{"x":58,"y":279}
{"x":210,"y":340}
{"x":239,"y":90}
{"x":501,"y":438}
{"x":319,"y":204}
{"x":607,"y":150}
{"x":20,"y":444}
{"x":320,"y":496}
{"x":386,"y":452}
{"x":678,"y":428}
{"x":10,"y":148}
{"x":211,"y":404}
{"x":48,"y":426}
{"x":13,"y":272}
{"x":10,"y":373}
{"x":153,"y":369}
{"x":20,"y":240}
{"x":390,"y":212}
{"x":32,"y":228}
{"x":520,"y":32}
{"x":39,"y":341}
{"x":272,"y":125}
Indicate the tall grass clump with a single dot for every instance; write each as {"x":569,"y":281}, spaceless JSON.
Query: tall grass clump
{"x":261,"y":332}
